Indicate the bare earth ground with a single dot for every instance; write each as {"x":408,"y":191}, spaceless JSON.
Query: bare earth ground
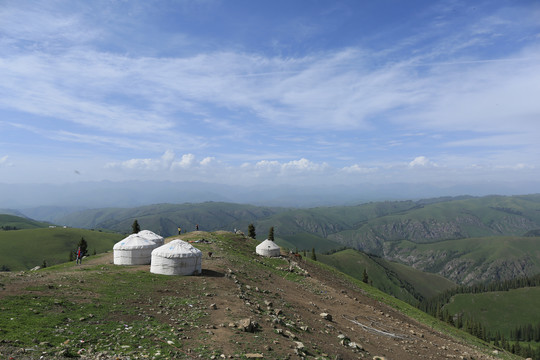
{"x":285,"y":314}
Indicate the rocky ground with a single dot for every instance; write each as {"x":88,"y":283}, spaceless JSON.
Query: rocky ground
{"x":245,"y":307}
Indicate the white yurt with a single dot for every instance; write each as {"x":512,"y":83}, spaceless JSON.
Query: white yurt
{"x":268,"y":248}
{"x":176,"y":258}
{"x":152,"y":236}
{"x":133,"y":250}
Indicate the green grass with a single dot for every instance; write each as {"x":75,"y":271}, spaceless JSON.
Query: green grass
{"x":20,"y":222}
{"x":306,"y":241}
{"x":24,"y":249}
{"x":87,"y":312}
{"x":401,"y":281}
{"x":501,"y":311}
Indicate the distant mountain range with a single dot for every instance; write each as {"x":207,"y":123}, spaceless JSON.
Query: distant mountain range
{"x":34,"y":197}
{"x":465,"y":239}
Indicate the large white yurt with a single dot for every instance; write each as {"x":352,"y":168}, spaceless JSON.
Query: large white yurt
{"x":133,"y":250}
{"x":176,"y":258}
{"x":268,"y":248}
{"x":152,"y":236}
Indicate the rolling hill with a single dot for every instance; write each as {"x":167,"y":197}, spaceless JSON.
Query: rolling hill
{"x":164,"y":219}
{"x":15,"y":222}
{"x":426,"y":234}
{"x":25,"y":249}
{"x":242,"y":306}
{"x":401,"y":281}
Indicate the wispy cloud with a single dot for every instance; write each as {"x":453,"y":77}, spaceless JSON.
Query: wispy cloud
{"x":339,"y":111}
{"x":4,"y":161}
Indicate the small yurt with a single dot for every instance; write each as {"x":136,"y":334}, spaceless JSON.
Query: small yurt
{"x":268,"y":248}
{"x":133,"y":250}
{"x":176,"y":258}
{"x":152,"y":236}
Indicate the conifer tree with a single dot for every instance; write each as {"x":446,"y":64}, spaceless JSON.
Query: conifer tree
{"x":271,"y":234}
{"x":365,"y":277}
{"x":313,"y":256}
{"x":135,"y":228}
{"x":251,"y":231}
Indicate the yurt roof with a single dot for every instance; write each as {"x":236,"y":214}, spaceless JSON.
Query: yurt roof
{"x":268,"y":244}
{"x":150,"y":235}
{"x":176,"y":249}
{"x":134,"y":241}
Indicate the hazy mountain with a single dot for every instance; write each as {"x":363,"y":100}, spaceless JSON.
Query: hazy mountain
{"x":89,"y":195}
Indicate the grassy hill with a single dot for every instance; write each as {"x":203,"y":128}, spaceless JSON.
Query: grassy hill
{"x":499,"y":311}
{"x":25,"y":249}
{"x":164,"y":219}
{"x":472,"y":260}
{"x":390,"y":229}
{"x":242,"y":306}
{"x":403,"y":282}
{"x":8,"y":221}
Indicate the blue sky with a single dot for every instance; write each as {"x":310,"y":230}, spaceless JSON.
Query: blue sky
{"x":248,"y":92}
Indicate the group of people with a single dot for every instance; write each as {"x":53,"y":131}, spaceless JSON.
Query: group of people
{"x":180,"y":229}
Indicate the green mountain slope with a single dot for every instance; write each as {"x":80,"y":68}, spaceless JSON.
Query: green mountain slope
{"x":499,"y":311}
{"x":386,"y":229}
{"x":476,"y":217}
{"x":11,"y":222}
{"x":164,"y":219}
{"x":467,"y":261}
{"x":25,"y":249}
{"x":401,"y":281}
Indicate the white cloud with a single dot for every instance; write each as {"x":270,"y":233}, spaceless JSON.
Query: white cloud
{"x":422,"y":161}
{"x":357,"y":169}
{"x":168,"y":162}
{"x":186,"y":161}
{"x":207,"y":161}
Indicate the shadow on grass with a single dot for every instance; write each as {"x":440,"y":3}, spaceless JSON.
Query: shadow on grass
{"x":211,"y":273}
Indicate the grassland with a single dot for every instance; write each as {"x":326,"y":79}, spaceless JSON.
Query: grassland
{"x":499,"y":311}
{"x":17,"y":222}
{"x":25,"y":249}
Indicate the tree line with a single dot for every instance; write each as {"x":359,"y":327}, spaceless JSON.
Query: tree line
{"x":523,"y":333}
{"x":430,"y":305}
{"x":8,"y":227}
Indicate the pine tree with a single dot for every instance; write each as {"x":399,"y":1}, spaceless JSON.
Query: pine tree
{"x":135,"y":228}
{"x":313,"y":256}
{"x":251,"y":231}
{"x":365,"y":277}
{"x":271,"y":234}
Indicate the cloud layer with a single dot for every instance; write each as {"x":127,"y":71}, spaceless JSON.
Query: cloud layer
{"x":454,"y":93}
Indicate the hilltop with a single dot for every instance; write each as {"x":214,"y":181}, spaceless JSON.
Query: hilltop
{"x":242,"y":306}
{"x":430,"y":235}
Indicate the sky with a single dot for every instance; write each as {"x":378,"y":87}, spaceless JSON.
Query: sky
{"x":270,"y":92}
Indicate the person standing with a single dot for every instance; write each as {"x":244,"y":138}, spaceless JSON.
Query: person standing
{"x":79,"y":256}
